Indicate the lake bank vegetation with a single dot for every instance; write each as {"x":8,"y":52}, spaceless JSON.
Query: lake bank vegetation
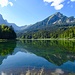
{"x":67,"y":33}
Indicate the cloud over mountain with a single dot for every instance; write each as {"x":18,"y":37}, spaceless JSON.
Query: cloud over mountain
{"x":57,"y":4}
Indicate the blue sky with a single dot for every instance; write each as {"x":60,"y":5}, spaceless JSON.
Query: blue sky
{"x":26,"y":12}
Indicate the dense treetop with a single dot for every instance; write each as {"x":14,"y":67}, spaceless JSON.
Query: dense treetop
{"x":7,"y":32}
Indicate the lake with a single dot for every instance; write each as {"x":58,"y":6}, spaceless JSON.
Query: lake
{"x":37,"y":57}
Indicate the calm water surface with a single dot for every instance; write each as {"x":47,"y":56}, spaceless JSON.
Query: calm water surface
{"x":37,"y":57}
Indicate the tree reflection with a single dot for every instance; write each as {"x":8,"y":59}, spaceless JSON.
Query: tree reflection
{"x":6,"y":48}
{"x":57,"y":52}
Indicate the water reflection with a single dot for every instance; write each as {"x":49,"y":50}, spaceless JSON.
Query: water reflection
{"x":37,"y":72}
{"x":37,"y":57}
{"x":57,"y":52}
{"x":60,"y":53}
{"x":6,"y":48}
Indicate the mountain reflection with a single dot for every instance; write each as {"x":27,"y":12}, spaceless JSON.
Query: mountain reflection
{"x":57,"y":52}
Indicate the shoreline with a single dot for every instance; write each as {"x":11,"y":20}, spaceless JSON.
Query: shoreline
{"x":5,"y":40}
{"x":47,"y":39}
{"x":17,"y":39}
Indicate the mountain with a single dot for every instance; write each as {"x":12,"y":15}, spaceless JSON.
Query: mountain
{"x":2,"y":21}
{"x":16,"y":28}
{"x":55,"y":19}
{"x":24,"y":27}
{"x":54,"y":26}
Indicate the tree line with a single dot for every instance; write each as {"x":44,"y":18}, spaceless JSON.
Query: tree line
{"x":67,"y":33}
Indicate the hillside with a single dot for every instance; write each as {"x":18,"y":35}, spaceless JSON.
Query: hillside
{"x":55,"y":19}
{"x":55,"y":26}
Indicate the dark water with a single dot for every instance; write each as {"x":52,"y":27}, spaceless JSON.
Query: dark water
{"x":37,"y":57}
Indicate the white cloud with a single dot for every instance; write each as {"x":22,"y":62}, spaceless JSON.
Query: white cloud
{"x":4,"y":3}
{"x":72,"y":0}
{"x":58,"y":7}
{"x":58,"y":72}
{"x":56,"y":3}
{"x":11,"y":3}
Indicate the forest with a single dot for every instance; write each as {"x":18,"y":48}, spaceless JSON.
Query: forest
{"x":60,"y":32}
{"x":7,"y":32}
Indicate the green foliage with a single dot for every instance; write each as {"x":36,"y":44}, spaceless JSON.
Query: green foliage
{"x":7,"y":32}
{"x":69,"y":33}
{"x":60,"y":32}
